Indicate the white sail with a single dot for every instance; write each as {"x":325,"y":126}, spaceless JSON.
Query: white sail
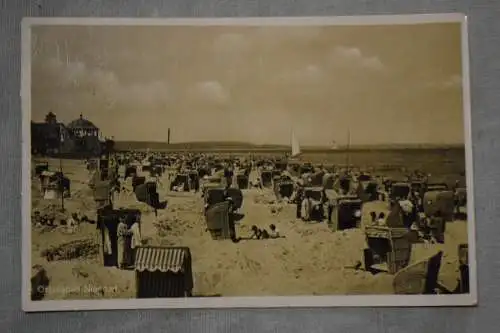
{"x":295,"y":146}
{"x":335,"y":146}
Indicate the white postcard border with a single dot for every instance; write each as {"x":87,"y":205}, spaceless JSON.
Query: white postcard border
{"x":243,"y":302}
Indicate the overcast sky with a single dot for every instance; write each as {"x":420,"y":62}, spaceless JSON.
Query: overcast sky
{"x":388,"y":84}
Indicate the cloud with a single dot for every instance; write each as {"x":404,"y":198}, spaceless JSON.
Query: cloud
{"x":147,"y":93}
{"x":343,"y":56}
{"x":307,"y":75}
{"x":240,"y":50}
{"x":311,"y":72}
{"x":105,"y":84}
{"x":454,"y":81}
{"x":212,"y":91}
{"x":77,"y":74}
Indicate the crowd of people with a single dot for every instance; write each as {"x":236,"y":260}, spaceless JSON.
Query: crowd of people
{"x":308,"y":206}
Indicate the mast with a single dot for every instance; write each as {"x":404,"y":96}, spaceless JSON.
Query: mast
{"x":61,"y":180}
{"x":348,"y":157}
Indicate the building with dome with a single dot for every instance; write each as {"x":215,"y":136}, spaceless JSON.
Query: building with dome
{"x":78,"y":138}
{"x":85,"y":136}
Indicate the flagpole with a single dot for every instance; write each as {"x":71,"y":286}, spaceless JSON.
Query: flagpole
{"x":348,"y":160}
{"x":61,"y":184}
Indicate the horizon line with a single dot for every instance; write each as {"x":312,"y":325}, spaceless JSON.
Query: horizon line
{"x":454,"y":144}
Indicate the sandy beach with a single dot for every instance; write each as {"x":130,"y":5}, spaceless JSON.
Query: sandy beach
{"x":310,"y":260}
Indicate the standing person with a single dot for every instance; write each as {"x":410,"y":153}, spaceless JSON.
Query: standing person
{"x":228,"y":175}
{"x":71,"y":223}
{"x":408,"y":212}
{"x":196,"y":184}
{"x":157,"y":178}
{"x":298,"y":198}
{"x":122,"y":232}
{"x":457,"y":197}
{"x":136,"y":238}
{"x":330,"y":198}
{"x":115,"y":188}
{"x":51,"y":216}
{"x":418,"y":202}
{"x":330,"y":208}
{"x":306,"y":208}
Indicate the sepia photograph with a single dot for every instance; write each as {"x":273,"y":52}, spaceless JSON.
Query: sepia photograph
{"x":247,"y":162}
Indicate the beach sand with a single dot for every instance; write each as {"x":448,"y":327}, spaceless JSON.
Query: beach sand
{"x":310,"y":260}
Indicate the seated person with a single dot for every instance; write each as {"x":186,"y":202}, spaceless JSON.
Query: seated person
{"x":436,"y":226}
{"x":317,"y":211}
{"x":274,"y":232}
{"x":381,"y":219}
{"x":256,"y":232}
{"x":264,"y":234}
{"x":310,"y":208}
{"x":37,"y":219}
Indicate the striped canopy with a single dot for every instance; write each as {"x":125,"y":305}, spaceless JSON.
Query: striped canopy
{"x":163,"y":259}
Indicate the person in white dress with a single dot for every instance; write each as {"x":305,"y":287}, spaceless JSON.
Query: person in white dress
{"x":136,"y":239}
{"x":122,"y":233}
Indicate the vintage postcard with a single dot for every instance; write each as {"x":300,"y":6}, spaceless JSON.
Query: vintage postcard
{"x":247,"y":162}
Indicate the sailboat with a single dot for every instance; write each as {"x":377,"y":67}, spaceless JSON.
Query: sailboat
{"x":295,"y":146}
{"x":334,"y":145}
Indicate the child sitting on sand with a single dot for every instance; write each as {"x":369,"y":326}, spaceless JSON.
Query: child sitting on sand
{"x":264,"y":234}
{"x":256,"y":233}
{"x":274,"y":232}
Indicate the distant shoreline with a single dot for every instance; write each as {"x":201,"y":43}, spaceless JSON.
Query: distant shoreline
{"x":247,"y":147}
